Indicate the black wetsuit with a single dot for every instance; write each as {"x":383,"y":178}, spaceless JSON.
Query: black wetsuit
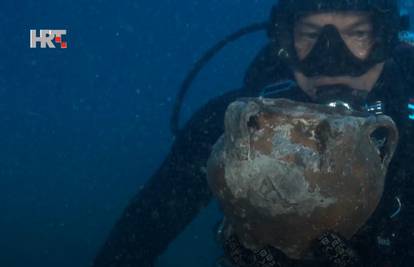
{"x":178,"y":190}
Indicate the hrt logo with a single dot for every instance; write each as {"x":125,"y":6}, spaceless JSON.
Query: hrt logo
{"x":47,"y":38}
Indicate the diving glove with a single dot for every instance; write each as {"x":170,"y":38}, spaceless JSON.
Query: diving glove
{"x":336,"y":251}
{"x":240,"y":256}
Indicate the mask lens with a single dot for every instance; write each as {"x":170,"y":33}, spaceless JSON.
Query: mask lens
{"x":305,"y":37}
{"x":359,"y":41}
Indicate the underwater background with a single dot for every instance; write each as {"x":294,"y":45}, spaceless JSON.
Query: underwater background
{"x":82,"y":128}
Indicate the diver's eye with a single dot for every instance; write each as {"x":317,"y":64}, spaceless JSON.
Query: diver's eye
{"x":360,"y":34}
{"x":310,"y":35}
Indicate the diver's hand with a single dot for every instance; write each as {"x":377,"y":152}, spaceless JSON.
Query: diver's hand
{"x":336,"y":251}
{"x":240,"y":256}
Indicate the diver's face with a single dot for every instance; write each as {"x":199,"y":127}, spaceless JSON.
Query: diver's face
{"x":355,"y":29}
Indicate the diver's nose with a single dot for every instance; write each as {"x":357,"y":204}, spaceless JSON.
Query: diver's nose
{"x":327,"y":52}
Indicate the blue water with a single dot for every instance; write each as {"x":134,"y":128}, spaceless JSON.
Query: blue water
{"x":83,"y":128}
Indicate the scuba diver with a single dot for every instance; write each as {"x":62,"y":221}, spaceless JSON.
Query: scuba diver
{"x":319,"y":51}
